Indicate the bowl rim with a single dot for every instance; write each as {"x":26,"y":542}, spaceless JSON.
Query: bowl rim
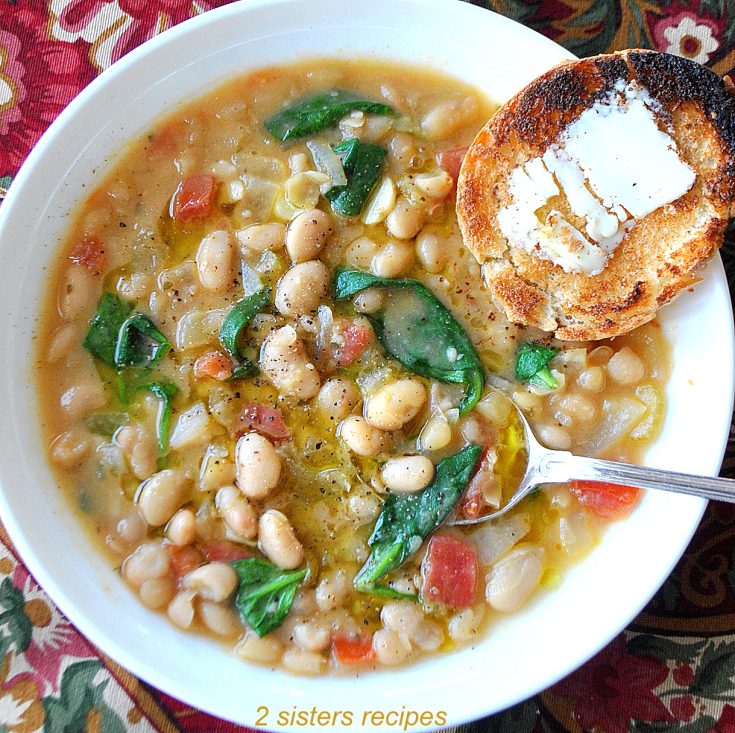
{"x":146,"y":668}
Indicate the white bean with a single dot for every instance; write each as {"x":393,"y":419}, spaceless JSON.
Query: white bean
{"x":406,"y":220}
{"x":514,"y":577}
{"x":436,"y":433}
{"x":395,"y":404}
{"x":312,"y":636}
{"x":267,"y":650}
{"x":303,"y":662}
{"x":360,"y":437}
{"x":82,"y":398}
{"x":236,"y":512}
{"x":307,"y":234}
{"x":390,"y":648}
{"x":464,"y":624}
{"x":257,"y":466}
{"x":149,"y":561}
{"x":260,"y":238}
{"x":215,"y":581}
{"x":77,"y":292}
{"x":277,"y":540}
{"x":393,"y":260}
{"x":181,"y":609}
{"x":284,"y":361}
{"x":369,"y":300}
{"x":592,"y":379}
{"x":215,"y":258}
{"x":70,"y":448}
{"x":432,"y":251}
{"x":436,"y":185}
{"x":62,"y":341}
{"x":337,"y":398}
{"x":554,"y":436}
{"x":302,"y":288}
{"x":361,"y":251}
{"x":157,"y":592}
{"x":332,"y":590}
{"x":140,"y":446}
{"x":219,"y":619}
{"x":161,"y":495}
{"x":181,"y":529}
{"x":407,"y":474}
{"x":625,"y":367}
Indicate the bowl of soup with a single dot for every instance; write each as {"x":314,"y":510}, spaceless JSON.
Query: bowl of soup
{"x":255,"y":376}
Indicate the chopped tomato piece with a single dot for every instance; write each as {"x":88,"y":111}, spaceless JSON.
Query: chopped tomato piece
{"x":214,"y":364}
{"x":605,"y":500}
{"x":353,"y":651}
{"x":184,"y":559}
{"x":224,"y":551}
{"x":473,"y":503}
{"x":89,"y":252}
{"x":194,"y":198}
{"x":449,"y":571}
{"x":264,"y":419}
{"x":354,"y":340}
{"x":451,"y":161}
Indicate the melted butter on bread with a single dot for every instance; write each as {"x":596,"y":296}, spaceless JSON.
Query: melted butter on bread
{"x":614,"y":164}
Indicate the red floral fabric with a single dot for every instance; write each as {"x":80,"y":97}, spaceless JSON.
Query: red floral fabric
{"x":673,"y":669}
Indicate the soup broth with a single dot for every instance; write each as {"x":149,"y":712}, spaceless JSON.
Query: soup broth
{"x":271,"y":375}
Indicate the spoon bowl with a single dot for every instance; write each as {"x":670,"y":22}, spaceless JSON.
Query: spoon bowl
{"x":547,"y":466}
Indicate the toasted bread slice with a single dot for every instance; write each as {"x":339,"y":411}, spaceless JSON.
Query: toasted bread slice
{"x":661,"y":252}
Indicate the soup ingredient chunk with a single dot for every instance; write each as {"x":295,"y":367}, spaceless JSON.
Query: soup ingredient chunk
{"x":362,"y":164}
{"x":258,"y":466}
{"x":532,"y":365}
{"x":313,"y":114}
{"x":194,"y":199}
{"x":284,"y":361}
{"x":449,"y":572}
{"x":395,"y":404}
{"x":122,"y":338}
{"x":416,"y":328}
{"x":265,"y":593}
{"x":407,"y":519}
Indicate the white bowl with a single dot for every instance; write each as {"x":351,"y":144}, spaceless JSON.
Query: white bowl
{"x":522,"y":654}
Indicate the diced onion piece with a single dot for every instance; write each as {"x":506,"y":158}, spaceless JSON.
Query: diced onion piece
{"x":251,"y":282}
{"x":494,"y":539}
{"x":381,"y":202}
{"x":197,"y":328}
{"x":283,"y":209}
{"x":649,"y":426}
{"x":303,"y":189}
{"x":619,"y":416}
{"x":193,"y":426}
{"x":327,"y":161}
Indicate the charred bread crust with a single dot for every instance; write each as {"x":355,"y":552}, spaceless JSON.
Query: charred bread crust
{"x":665,"y":251}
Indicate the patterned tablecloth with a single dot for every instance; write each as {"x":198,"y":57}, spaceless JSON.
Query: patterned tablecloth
{"x":673,"y":669}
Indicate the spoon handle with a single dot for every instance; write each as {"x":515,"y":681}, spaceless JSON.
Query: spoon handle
{"x":558,"y":467}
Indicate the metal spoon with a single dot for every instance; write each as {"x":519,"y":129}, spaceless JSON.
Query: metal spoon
{"x":546,"y":466}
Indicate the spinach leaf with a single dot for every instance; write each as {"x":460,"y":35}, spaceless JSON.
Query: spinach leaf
{"x":165,"y":391}
{"x":362,"y":163}
{"x":532,"y":365}
{"x":234,"y":324}
{"x":266,"y":593}
{"x":104,"y":329}
{"x":310,"y":115}
{"x":122,"y":338}
{"x":416,"y":328}
{"x":139,"y":342}
{"x":407,"y":519}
